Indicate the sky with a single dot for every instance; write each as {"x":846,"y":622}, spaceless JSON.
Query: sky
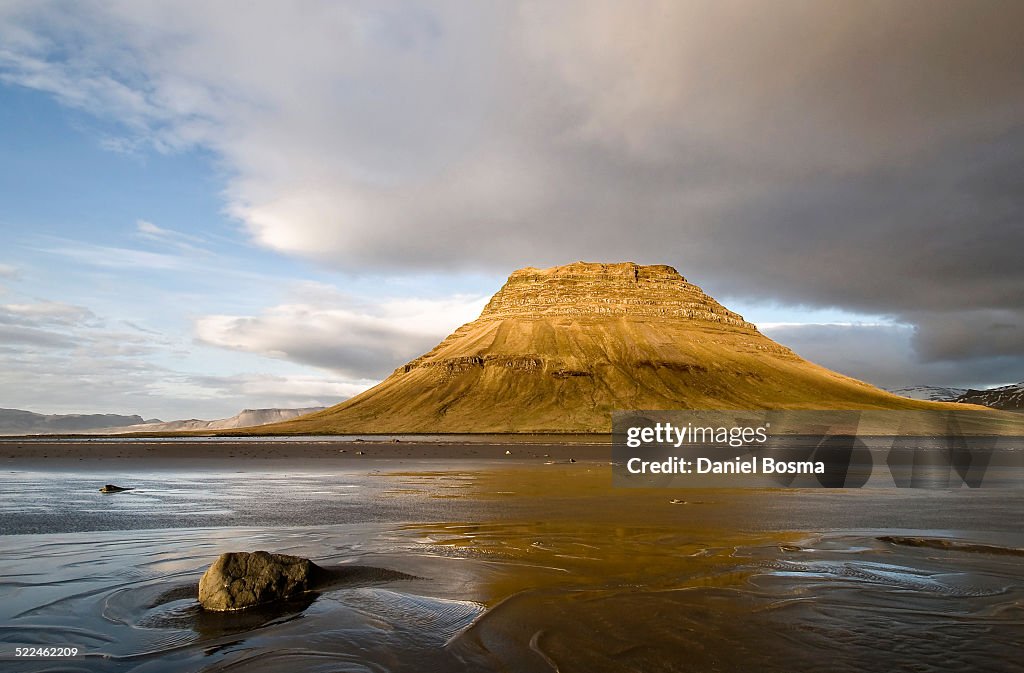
{"x":212,"y":206}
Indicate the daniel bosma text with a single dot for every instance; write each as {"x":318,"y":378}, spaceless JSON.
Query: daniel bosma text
{"x":752,"y":465}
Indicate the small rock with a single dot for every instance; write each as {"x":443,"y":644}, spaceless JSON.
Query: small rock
{"x":360,"y":453}
{"x":110,"y":488}
{"x":676,"y":501}
{"x":572,"y":460}
{"x":239,"y":580}
{"x":508,"y":453}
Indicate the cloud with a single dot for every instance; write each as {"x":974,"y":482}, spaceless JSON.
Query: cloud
{"x":60,"y":358}
{"x":268,"y":391}
{"x":117,"y":257}
{"x":8,"y":271}
{"x":886,"y":356}
{"x":186,"y":243}
{"x":41,"y":326}
{"x":79,"y":382}
{"x":355,"y":339}
{"x":149,"y":229}
{"x":45,"y":325}
{"x":46,"y":313}
{"x":863,"y":155}
{"x":16,"y":334}
{"x":969,"y":334}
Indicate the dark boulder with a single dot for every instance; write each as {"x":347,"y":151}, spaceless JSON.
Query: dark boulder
{"x":239,"y":580}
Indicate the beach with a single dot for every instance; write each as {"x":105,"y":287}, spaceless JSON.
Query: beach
{"x":174,"y":452}
{"x":472,"y":559}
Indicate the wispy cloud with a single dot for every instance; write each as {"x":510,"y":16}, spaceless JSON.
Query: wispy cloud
{"x":183,"y":254}
{"x":185,"y":242}
{"x":354,"y":338}
{"x":47,"y":312}
{"x":32,"y":336}
{"x":277,"y":391}
{"x":116,"y":257}
{"x":59,"y":358}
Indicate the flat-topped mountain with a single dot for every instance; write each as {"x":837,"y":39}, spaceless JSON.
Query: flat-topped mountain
{"x":17,"y":422}
{"x":20,"y":422}
{"x":606,"y":291}
{"x":246,"y":418}
{"x":559,"y":349}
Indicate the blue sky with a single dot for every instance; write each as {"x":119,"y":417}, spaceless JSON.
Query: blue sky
{"x":138,"y":244}
{"x":210,"y":208}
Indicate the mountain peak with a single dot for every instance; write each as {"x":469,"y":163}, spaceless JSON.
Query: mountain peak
{"x":623,"y":290}
{"x":605,"y":270}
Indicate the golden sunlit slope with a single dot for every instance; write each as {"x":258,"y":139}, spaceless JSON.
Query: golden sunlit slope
{"x":559,"y":349}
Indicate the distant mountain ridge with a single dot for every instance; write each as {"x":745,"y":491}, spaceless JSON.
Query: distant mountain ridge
{"x":929,"y":393}
{"x":244,"y":419}
{"x":1007,"y":398}
{"x":19,"y":422}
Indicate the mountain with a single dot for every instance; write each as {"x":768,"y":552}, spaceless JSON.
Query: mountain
{"x":244,"y":419}
{"x":559,"y":349}
{"x":16,"y":422}
{"x":931,"y":393}
{"x":19,"y":422}
{"x":1008,"y":398}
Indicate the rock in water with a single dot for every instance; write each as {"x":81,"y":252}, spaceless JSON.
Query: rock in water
{"x":239,"y":580}
{"x":110,"y":488}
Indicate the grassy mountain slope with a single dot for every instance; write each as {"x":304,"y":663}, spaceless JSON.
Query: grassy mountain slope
{"x":557,"y":350}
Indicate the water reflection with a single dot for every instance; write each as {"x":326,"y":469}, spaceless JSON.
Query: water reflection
{"x":529,"y":569}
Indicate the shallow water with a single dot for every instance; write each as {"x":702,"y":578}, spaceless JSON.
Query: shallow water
{"x":523,"y":567}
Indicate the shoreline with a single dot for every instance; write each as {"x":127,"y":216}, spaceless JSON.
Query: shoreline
{"x":78,"y":453}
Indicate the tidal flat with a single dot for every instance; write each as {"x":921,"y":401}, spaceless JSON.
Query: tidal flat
{"x":494,"y":562}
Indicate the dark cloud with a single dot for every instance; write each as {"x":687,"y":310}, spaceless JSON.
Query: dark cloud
{"x":885,"y":355}
{"x":862,"y":155}
{"x":968,"y":334}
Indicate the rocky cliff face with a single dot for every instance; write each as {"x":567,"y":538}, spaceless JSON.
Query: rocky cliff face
{"x":557,"y":350}
{"x":576,"y":295}
{"x":606,"y":290}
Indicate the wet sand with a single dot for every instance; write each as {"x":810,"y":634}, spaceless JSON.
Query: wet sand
{"x":514,"y":563}
{"x":173,"y":453}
